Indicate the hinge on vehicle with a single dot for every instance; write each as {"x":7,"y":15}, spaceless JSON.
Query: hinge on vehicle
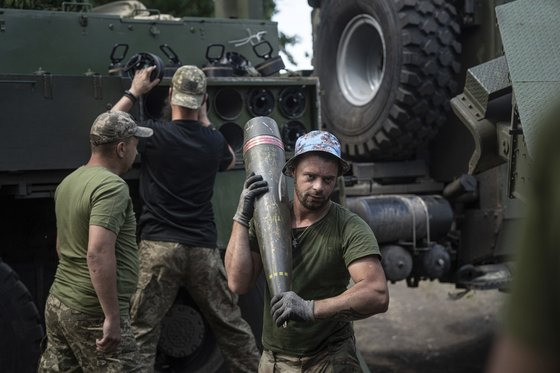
{"x":471,"y":13}
{"x":68,"y":6}
{"x":83,"y":20}
{"x":47,"y":86}
{"x":97,"y":87}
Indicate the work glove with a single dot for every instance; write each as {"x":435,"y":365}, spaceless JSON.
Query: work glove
{"x":289,"y":306}
{"x":254,"y":186}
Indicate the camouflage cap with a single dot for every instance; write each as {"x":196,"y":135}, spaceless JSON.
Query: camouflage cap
{"x":316,"y":141}
{"x":115,"y":125}
{"x":189,"y":87}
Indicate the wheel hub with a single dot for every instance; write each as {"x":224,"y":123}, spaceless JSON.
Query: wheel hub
{"x":360,"y":60}
{"x":182,"y":331}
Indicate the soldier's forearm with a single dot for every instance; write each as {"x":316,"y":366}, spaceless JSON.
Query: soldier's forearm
{"x":103,"y":272}
{"x":241,"y":267}
{"x":124,"y":104}
{"x":359,"y":302}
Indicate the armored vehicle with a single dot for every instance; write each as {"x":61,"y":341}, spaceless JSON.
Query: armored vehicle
{"x":433,"y":169}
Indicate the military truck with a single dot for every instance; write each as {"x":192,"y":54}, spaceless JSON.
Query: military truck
{"x":442,"y":190}
{"x":392,"y":68}
{"x":387,"y":74}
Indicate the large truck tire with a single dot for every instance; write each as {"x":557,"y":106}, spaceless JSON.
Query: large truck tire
{"x":187,"y":343}
{"x":20,"y":325}
{"x":387,"y":70}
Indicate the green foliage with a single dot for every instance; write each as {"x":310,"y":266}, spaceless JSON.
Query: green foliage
{"x":269,"y":9}
{"x":32,"y":4}
{"x":286,"y":40}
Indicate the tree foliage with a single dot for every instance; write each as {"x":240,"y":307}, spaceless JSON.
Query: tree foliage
{"x":32,"y":4}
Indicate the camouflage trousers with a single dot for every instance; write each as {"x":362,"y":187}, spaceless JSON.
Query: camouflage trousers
{"x":167,"y":266}
{"x":71,"y":346}
{"x":339,"y":357}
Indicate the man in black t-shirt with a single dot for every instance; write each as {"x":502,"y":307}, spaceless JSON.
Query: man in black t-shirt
{"x":177,"y":229}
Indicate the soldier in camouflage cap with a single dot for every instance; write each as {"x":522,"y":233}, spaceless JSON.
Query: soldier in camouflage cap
{"x":87,"y":311}
{"x":113,"y":126}
{"x":189,"y":87}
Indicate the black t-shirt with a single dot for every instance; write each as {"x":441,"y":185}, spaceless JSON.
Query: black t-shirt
{"x":179,"y":166}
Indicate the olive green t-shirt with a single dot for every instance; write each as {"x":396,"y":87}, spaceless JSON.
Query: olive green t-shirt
{"x":93,"y":196}
{"x":320,"y":261}
{"x":533,"y":311}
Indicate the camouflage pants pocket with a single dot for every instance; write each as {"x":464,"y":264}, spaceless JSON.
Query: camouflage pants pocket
{"x":71,"y":343}
{"x":56,"y":355}
{"x":206,"y":282}
{"x":158,"y":283}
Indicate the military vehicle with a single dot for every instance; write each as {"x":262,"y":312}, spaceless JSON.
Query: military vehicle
{"x":438,"y":188}
{"x":435,"y":191}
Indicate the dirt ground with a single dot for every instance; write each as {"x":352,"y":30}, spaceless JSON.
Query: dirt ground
{"x":426,"y":330}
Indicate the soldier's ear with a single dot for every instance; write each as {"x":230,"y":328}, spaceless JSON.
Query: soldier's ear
{"x":120,"y":149}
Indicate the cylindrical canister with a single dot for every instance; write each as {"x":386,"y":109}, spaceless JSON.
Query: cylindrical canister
{"x":263,"y":153}
{"x":404,"y":217}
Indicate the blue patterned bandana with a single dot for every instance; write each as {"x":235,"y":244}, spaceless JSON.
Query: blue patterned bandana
{"x":316,"y":141}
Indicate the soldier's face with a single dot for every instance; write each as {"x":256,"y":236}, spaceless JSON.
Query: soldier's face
{"x":315,"y":179}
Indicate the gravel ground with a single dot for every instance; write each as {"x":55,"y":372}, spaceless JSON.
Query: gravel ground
{"x":426,"y":330}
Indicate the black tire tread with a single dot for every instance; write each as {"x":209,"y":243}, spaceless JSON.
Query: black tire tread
{"x":430,"y":54}
{"x":21,"y":329}
{"x":427,"y":77}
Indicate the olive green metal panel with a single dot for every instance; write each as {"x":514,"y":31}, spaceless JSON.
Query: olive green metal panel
{"x":50,"y":133}
{"x":45,"y":120}
{"x":227,"y":189}
{"x":486,"y":82}
{"x":236,"y":92}
{"x":78,"y":43}
{"x":530,"y":33}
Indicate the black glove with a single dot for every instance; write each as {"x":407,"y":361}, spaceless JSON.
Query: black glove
{"x":254,"y":187}
{"x":289,"y":306}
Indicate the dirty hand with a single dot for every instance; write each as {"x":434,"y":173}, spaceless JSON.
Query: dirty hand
{"x":111,"y":336}
{"x":254,"y":186}
{"x":141,"y":83}
{"x":289,"y":306}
